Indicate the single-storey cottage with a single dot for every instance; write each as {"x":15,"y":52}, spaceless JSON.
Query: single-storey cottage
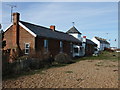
{"x":30,"y":38}
{"x":101,"y":43}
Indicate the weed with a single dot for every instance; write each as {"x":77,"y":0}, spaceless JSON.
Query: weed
{"x":68,"y":71}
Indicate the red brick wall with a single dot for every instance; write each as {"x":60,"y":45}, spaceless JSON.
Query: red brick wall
{"x":89,"y":49}
{"x":53,"y":46}
{"x":8,"y":38}
{"x":24,"y":37}
{"x":66,"y":47}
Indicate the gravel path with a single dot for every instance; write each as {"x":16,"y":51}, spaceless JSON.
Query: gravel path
{"x":83,"y":74}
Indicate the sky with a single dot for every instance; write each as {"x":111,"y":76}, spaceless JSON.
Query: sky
{"x":91,"y":18}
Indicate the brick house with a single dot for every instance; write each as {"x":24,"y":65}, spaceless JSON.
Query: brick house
{"x":30,"y":38}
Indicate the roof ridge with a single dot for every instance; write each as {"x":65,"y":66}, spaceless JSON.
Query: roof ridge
{"x":35,"y":25}
{"x":101,"y":39}
{"x":44,"y":27}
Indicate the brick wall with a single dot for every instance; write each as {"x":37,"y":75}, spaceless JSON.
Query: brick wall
{"x":24,"y":37}
{"x":89,"y":49}
{"x":53,"y":46}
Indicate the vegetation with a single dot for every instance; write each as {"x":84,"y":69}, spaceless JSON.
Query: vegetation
{"x":104,"y":55}
{"x":60,"y":60}
{"x":68,"y":71}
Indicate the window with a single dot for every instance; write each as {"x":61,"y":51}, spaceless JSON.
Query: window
{"x":46,"y":44}
{"x":71,"y":47}
{"x":75,"y":50}
{"x":27,"y":48}
{"x":61,"y":46}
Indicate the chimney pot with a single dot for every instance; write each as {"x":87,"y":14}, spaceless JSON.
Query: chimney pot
{"x":52,"y":27}
{"x":84,"y":38}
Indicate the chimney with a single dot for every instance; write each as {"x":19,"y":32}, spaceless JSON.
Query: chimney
{"x":15,"y":30}
{"x":52,"y":27}
{"x":84,"y":38}
{"x":16,"y":18}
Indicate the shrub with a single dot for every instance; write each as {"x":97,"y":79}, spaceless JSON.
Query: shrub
{"x":40,"y":59}
{"x":62,"y":58}
{"x":5,"y":64}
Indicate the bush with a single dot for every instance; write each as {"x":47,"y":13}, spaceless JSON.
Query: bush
{"x":5,"y":64}
{"x":62,"y":58}
{"x":40,"y":59}
{"x":25,"y":63}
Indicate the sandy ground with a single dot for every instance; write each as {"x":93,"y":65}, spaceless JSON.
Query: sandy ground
{"x":83,"y":74}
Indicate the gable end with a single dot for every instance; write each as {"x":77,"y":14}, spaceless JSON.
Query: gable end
{"x":27,"y":29}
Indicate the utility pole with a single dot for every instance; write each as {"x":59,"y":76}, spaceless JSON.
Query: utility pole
{"x":11,"y":6}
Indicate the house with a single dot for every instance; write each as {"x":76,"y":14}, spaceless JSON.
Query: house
{"x":77,"y":49}
{"x":31,"y":38}
{"x":101,"y":43}
{"x":87,"y":48}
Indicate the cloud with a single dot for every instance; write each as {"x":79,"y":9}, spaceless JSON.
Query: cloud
{"x":88,"y":17}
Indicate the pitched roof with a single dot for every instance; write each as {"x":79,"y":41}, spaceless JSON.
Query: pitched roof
{"x":73,"y":30}
{"x":88,"y":41}
{"x":41,"y":31}
{"x":102,"y":40}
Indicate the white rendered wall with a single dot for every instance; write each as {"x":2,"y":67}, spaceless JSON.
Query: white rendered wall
{"x":81,"y":51}
{"x":96,"y":42}
{"x":76,"y":35}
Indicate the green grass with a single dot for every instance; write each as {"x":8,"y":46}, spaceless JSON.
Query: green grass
{"x":103,"y":56}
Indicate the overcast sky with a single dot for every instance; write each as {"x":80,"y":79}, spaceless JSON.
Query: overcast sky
{"x":91,"y":18}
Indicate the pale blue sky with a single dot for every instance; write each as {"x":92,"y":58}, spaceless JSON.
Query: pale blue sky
{"x":91,"y":18}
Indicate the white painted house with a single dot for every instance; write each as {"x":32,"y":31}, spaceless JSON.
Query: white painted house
{"x":101,"y":43}
{"x":77,"y":50}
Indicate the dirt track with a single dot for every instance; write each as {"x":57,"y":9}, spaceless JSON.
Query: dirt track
{"x":83,"y":74}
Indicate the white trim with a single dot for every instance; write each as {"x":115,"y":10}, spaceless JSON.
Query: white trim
{"x":27,"y":29}
{"x":27,"y":48}
{"x":8,"y":27}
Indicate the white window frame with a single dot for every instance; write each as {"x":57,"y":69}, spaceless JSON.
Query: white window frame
{"x":27,"y":48}
{"x":46,"y":44}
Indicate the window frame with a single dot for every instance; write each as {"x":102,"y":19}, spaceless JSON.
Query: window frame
{"x":27,"y":48}
{"x":76,"y":49}
{"x":46,"y":44}
{"x":61,"y":46}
